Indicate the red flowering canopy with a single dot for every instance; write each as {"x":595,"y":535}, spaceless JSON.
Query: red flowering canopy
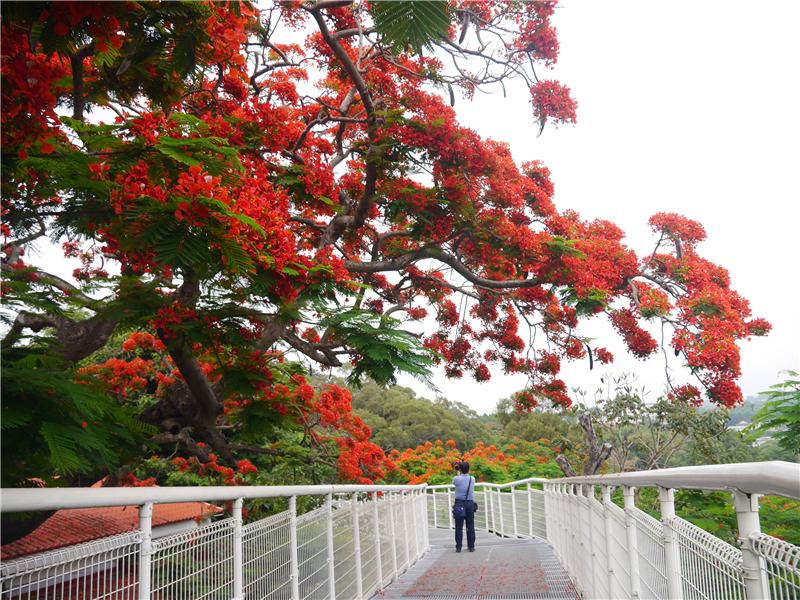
{"x":238,"y":184}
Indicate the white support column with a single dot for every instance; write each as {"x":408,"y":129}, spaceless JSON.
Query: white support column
{"x":514,"y":512}
{"x":330,"y":547}
{"x":530,"y":511}
{"x":594,"y":560}
{"x":426,"y":530}
{"x":238,"y":576}
{"x":487,"y":506}
{"x":564,"y":529}
{"x":404,"y":513}
{"x":666,"y":497}
{"x":612,"y":591}
{"x":376,"y":518}
{"x":357,"y":547}
{"x":573,"y":543}
{"x":414,"y":526}
{"x":392,"y":534}
{"x":753,"y":566}
{"x":145,"y":548}
{"x":435,"y":516}
{"x":294,"y":565}
{"x":500,"y":508}
{"x":633,"y":544}
{"x":450,"y":509}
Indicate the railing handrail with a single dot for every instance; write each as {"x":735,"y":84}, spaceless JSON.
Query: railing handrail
{"x":770,"y":477}
{"x":30,"y":499}
{"x":478,"y":484}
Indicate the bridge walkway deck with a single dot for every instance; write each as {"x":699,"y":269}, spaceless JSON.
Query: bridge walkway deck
{"x":499,"y":569}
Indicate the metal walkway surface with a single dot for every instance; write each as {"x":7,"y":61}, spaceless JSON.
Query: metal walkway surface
{"x":499,"y":569}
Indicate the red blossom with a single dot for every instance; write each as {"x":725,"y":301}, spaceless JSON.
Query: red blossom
{"x":552,"y":102}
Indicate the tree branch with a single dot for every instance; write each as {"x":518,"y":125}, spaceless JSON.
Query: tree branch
{"x":401,"y":262}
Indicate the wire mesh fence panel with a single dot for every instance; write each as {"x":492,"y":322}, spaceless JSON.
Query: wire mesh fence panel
{"x":312,"y":554}
{"x":599,"y":557}
{"x":399,"y":534}
{"x":481,"y":513}
{"x":652,"y":558}
{"x":438,"y":505}
{"x":491,"y":511}
{"x":582,"y":549}
{"x":538,"y":514}
{"x":194,"y":564}
{"x":520,"y":514}
{"x":266,"y":562}
{"x":782,"y":565}
{"x":619,"y":560}
{"x":710,"y":568}
{"x":102,"y":569}
{"x":369,"y":558}
{"x":506,"y":514}
{"x":552,"y":514}
{"x":404,"y":527}
{"x":387,"y":540}
{"x":344,"y":551}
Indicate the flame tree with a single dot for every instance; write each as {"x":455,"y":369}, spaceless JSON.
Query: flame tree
{"x":240,"y":188}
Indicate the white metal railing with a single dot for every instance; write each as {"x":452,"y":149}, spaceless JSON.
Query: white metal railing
{"x":354,"y":542}
{"x":622,"y":552}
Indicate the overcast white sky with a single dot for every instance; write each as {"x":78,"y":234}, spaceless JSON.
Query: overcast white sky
{"x":689,"y":107}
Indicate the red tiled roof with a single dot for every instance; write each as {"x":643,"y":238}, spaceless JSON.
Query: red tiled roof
{"x":74,"y":526}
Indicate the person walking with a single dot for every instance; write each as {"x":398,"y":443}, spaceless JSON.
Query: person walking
{"x":464,"y":507}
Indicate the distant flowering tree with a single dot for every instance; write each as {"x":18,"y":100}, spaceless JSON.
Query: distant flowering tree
{"x":235,"y":185}
{"x":432,"y":462}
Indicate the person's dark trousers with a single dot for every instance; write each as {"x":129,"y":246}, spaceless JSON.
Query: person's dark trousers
{"x":470,"y":520}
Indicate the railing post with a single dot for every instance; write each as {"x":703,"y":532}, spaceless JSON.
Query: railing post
{"x":330,"y":547}
{"x":449,"y":509}
{"x":487,"y":506}
{"x":753,"y":566}
{"x":633,"y":544}
{"x":500,"y":508}
{"x":666,"y":497}
{"x":606,"y":489}
{"x":435,"y":516}
{"x":238,"y":576}
{"x":588,"y":493}
{"x":530,"y":511}
{"x":404,"y":512}
{"x":426,"y":531}
{"x":393,"y":535}
{"x":414,"y":518}
{"x":357,"y":547}
{"x":145,"y":548}
{"x":566,"y":528}
{"x":376,"y":517}
{"x":575,"y":542}
{"x":294,"y":565}
{"x":514,"y":512}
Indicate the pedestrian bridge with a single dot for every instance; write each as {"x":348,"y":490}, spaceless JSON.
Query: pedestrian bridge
{"x":538,"y":538}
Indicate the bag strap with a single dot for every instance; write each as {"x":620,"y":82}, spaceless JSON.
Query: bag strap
{"x":468,"y":487}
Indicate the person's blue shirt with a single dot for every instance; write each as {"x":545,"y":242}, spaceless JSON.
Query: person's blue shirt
{"x":462,"y":482}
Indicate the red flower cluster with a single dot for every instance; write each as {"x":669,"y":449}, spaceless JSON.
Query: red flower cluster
{"x":552,"y":102}
{"x":639,"y":342}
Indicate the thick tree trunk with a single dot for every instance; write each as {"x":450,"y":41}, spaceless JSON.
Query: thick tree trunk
{"x":598,"y":453}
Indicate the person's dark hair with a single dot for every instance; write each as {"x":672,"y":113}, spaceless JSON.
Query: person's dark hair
{"x":463,"y":466}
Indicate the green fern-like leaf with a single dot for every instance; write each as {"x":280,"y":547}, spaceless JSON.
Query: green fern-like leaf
{"x":414,"y":23}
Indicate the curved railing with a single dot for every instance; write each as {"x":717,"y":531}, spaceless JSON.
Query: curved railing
{"x":622,"y":552}
{"x":351,"y":542}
